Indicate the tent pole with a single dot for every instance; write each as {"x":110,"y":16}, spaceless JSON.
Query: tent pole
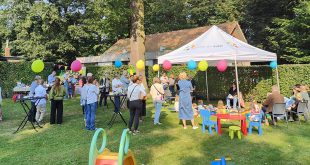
{"x":237,"y":81}
{"x":277,"y":74}
{"x":207,"y":86}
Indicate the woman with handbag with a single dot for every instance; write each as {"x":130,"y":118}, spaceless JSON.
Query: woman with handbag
{"x":134,"y":94}
{"x":157,"y":93}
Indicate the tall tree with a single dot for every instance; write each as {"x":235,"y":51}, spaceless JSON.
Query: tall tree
{"x":137,"y":35}
{"x":291,"y":37}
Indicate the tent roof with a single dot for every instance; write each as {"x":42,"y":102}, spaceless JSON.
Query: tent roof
{"x":214,"y":45}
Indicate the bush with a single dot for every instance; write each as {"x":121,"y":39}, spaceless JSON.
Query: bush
{"x":11,"y":73}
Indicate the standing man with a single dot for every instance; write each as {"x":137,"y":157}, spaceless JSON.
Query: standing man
{"x":105,"y":89}
{"x":51,"y":78}
{"x":33,"y":86}
{"x":117,"y":86}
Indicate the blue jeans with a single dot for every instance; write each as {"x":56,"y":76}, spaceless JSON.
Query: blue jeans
{"x":90,"y":116}
{"x":158,"y":106}
{"x":66,"y":86}
{"x":235,"y":99}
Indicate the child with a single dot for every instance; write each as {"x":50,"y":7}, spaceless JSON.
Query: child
{"x":200,"y":105}
{"x":255,"y":111}
{"x":195,"y":110}
{"x":176,"y":103}
{"x":70,"y":88}
{"x":221,"y":107}
{"x":40,"y":91}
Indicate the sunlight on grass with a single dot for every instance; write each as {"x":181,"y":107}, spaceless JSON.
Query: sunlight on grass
{"x":162,"y":144}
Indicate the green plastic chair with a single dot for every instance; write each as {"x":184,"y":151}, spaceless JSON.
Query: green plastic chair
{"x":232,"y":130}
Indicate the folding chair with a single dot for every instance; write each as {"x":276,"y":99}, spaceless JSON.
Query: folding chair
{"x":278,"y":110}
{"x":301,"y":110}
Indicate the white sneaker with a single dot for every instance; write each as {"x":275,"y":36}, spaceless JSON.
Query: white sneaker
{"x":195,"y":127}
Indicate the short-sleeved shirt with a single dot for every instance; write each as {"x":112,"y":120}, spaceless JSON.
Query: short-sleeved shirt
{"x":135,"y":92}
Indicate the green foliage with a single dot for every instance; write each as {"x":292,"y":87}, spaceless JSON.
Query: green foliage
{"x":291,"y":37}
{"x":11,"y":73}
{"x":59,"y":31}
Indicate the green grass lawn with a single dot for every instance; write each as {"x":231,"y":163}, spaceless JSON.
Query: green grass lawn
{"x":166,"y":144}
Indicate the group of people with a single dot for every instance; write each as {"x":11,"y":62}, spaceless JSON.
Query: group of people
{"x":299,"y":94}
{"x":94,"y":93}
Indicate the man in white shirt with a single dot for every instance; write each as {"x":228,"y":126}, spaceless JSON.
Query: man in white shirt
{"x":117,"y":86}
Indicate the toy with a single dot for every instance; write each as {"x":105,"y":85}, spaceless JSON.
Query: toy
{"x":104,"y":156}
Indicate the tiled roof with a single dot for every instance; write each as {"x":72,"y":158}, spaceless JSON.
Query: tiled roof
{"x":169,"y":40}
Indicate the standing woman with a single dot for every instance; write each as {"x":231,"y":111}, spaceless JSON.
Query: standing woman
{"x":157,"y":93}
{"x":92,"y":92}
{"x":134,"y":94}
{"x":56,"y":95}
{"x":185,"y":101}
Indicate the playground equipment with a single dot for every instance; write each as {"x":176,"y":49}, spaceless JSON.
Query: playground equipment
{"x":221,"y":161}
{"x":104,"y":156}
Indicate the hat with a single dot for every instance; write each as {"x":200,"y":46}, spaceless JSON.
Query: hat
{"x":89,"y":75}
{"x":37,"y":78}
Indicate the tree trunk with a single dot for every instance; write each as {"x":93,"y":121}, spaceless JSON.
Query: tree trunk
{"x":137,"y":38}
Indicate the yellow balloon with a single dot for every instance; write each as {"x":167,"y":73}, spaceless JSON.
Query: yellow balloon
{"x":140,"y":65}
{"x":156,"y":67}
{"x":37,"y":66}
{"x":203,"y":65}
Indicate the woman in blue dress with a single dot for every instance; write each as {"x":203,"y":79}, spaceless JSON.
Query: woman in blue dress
{"x":185,"y":101}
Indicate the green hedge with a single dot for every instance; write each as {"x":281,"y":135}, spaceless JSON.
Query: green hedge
{"x":254,"y":81}
{"x":11,"y":73}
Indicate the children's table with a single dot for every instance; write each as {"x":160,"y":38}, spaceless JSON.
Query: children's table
{"x":240,"y":117}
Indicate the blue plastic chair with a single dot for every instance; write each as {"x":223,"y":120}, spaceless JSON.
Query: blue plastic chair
{"x":206,"y":115}
{"x":257,"y":124}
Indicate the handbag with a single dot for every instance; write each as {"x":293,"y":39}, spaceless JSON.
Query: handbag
{"x":160,"y":96}
{"x":128,"y":100}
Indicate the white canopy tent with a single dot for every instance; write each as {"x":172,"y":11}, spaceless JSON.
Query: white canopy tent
{"x":215,"y":45}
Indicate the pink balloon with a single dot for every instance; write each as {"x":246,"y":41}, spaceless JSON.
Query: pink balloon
{"x":76,"y":66}
{"x":167,"y":65}
{"x":221,"y":65}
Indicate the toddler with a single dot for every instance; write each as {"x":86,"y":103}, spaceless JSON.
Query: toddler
{"x":200,"y":105}
{"x":255,"y":111}
{"x":221,"y":109}
{"x":195,"y":110}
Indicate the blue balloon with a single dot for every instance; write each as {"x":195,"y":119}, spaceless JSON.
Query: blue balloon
{"x":191,"y":65}
{"x":118,"y":64}
{"x":273,"y":64}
